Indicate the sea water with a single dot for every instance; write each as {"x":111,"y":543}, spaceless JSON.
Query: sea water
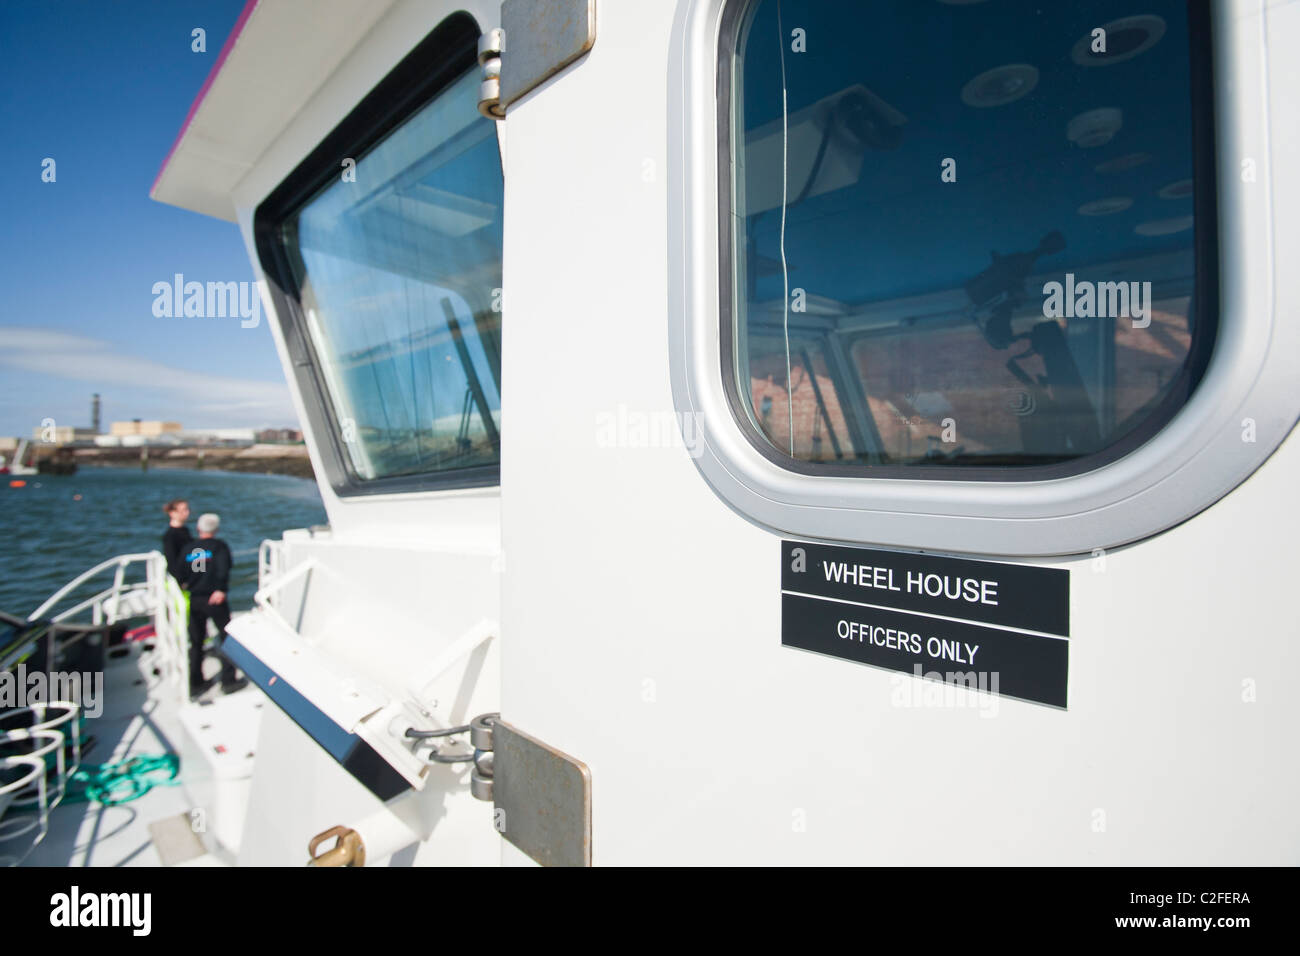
{"x":54,"y":527}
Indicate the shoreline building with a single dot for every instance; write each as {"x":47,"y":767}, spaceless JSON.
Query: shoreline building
{"x":62,"y":434}
{"x":151,"y":429}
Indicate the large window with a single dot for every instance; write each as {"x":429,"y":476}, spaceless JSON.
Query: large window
{"x":971,"y":234}
{"x":388,"y":245}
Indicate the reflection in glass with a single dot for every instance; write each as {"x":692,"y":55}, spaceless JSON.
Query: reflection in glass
{"x":986,"y":230}
{"x":399,"y":269}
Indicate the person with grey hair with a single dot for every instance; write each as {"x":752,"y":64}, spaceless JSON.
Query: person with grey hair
{"x":207,"y":578}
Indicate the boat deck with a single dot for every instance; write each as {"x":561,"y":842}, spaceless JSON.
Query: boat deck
{"x":143,"y":717}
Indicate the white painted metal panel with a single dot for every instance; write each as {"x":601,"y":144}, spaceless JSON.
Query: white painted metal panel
{"x":641,"y":614}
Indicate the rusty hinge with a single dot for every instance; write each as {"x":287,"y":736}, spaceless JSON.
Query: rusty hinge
{"x":542,"y":39}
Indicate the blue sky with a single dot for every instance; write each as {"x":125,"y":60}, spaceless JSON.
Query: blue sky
{"x":103,"y":88}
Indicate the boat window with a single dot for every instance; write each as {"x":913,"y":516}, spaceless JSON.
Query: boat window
{"x":964,"y":235}
{"x":397,"y":268}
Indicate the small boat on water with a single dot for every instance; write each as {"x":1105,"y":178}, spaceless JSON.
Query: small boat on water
{"x":62,"y":462}
{"x":18,"y":462}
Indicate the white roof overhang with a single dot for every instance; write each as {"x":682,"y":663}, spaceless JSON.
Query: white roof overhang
{"x":278,"y":55}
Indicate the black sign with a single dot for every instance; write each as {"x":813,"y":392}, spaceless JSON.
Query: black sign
{"x":959,"y":621}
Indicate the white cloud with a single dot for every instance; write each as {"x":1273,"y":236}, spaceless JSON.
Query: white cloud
{"x":68,"y":356}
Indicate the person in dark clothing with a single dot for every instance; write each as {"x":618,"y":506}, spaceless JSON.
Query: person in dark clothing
{"x":207,"y":565}
{"x":177,"y":537}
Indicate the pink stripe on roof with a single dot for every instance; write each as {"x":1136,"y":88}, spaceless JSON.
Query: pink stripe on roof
{"x":207,"y":84}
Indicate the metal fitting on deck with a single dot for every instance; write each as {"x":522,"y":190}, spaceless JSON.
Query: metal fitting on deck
{"x":480,"y":736}
{"x":349,"y":850}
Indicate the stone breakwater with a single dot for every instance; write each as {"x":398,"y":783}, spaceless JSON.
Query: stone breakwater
{"x":255,"y":459}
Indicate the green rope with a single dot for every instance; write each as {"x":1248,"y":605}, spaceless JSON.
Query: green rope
{"x":113,"y":783}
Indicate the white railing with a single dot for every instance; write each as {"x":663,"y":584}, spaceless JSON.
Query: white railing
{"x":270,"y":562}
{"x":158,"y":596}
{"x":119,"y":563}
{"x":269,"y":586}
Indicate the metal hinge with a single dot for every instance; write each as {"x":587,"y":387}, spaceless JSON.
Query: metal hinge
{"x":490,"y":47}
{"x":542,"y":797}
{"x":544,"y":37}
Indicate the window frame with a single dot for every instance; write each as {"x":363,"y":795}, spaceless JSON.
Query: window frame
{"x":444,"y":56}
{"x":1191,"y":461}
